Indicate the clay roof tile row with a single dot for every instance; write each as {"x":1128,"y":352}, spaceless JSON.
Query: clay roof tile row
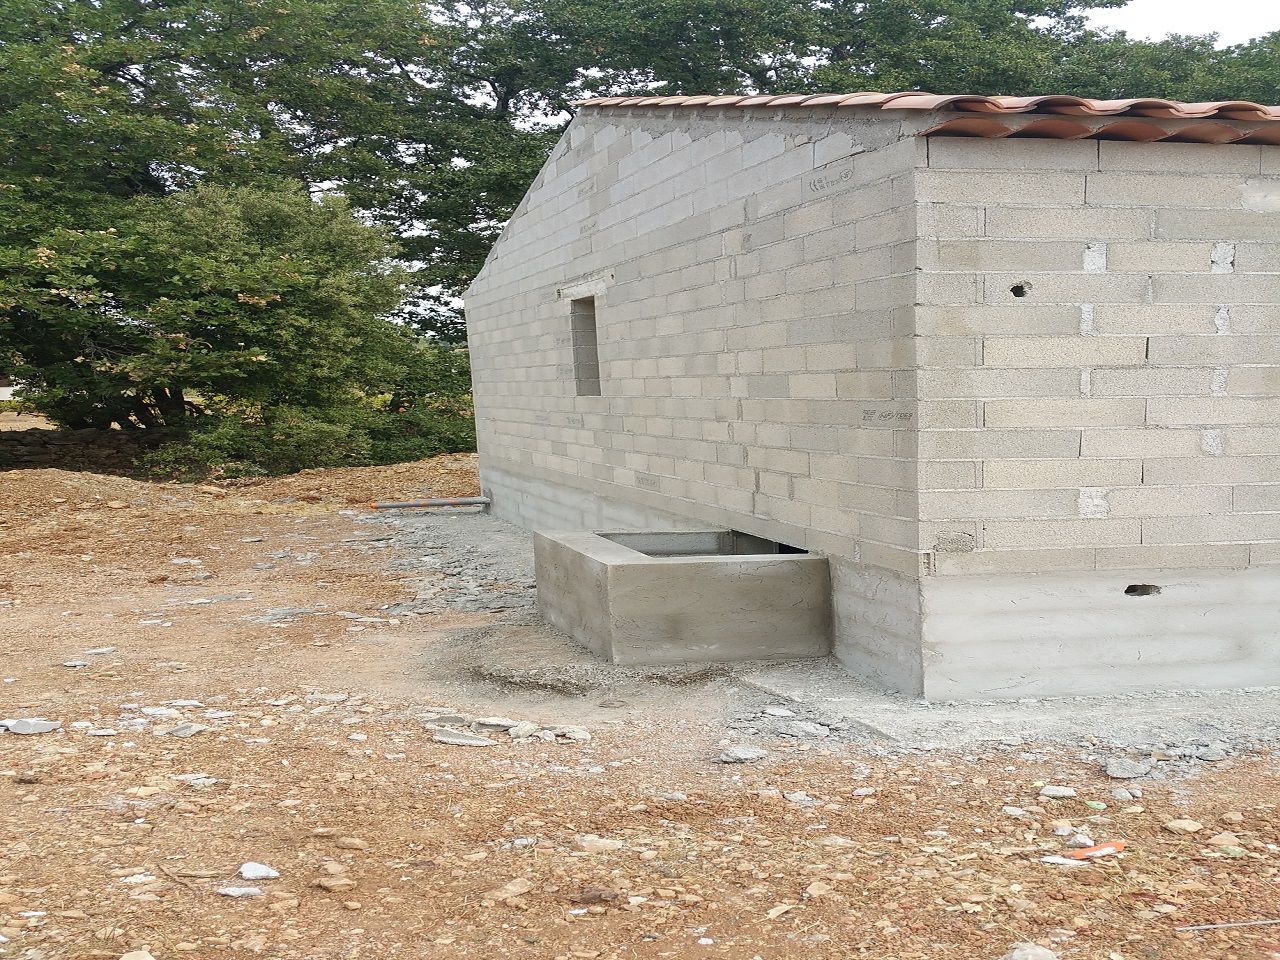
{"x":1059,"y":117}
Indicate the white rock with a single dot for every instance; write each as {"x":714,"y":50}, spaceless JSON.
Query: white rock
{"x":30,"y":726}
{"x":576,"y":734}
{"x":1122,"y":768}
{"x":240,"y":892}
{"x":493,"y":724}
{"x":1013,"y":811}
{"x":523,"y":730}
{"x":864,"y":791}
{"x":590,"y":843}
{"x":1057,"y":793}
{"x":257,"y":871}
{"x":184,"y":730}
{"x":459,"y":738}
{"x":99,"y":651}
{"x":778,"y":712}
{"x":73,"y":664}
{"x":1029,"y":951}
{"x":1080,"y":841}
{"x":742,"y":754}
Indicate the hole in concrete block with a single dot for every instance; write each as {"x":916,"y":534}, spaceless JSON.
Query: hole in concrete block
{"x":1019,"y":289}
{"x":698,"y":543}
{"x":1141,"y":590}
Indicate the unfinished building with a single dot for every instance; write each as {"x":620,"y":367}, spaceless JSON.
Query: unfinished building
{"x":1010,"y":367}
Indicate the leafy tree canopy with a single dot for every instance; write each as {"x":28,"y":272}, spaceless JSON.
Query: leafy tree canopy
{"x":159,"y":159}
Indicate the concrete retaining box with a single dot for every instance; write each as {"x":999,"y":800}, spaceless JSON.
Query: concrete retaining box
{"x":681,"y":597}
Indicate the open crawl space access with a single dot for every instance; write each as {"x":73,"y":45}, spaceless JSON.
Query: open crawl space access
{"x":1007,"y":369}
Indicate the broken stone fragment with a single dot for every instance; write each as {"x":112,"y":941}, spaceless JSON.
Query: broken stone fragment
{"x":523,"y":730}
{"x":514,"y":888}
{"x":335,"y":884}
{"x":590,"y":843}
{"x":1029,"y":951}
{"x":742,"y":754}
{"x":460,"y":738}
{"x":1122,"y":768}
{"x":257,"y":871}
{"x":30,"y":726}
{"x":1184,"y":826}
{"x":240,"y":892}
{"x":573,"y":733}
{"x":184,"y":730}
{"x":1053,"y":792}
{"x":493,"y":724}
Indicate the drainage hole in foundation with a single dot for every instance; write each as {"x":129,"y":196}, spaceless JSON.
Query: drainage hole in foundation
{"x":1141,"y":590}
{"x":1018,"y":289}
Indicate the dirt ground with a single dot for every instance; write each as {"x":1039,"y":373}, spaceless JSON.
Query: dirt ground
{"x":261,"y":620}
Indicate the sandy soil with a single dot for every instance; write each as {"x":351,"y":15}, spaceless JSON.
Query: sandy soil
{"x":256,"y":612}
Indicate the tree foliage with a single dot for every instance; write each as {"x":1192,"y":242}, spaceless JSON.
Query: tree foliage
{"x":163,"y":162}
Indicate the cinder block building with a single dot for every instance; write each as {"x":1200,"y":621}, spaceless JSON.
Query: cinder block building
{"x":1011,"y":364}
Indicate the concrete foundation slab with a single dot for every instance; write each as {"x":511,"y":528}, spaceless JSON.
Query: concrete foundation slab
{"x":646,"y":597}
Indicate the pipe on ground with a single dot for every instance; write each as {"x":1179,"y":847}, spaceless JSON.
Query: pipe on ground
{"x":429,"y":503}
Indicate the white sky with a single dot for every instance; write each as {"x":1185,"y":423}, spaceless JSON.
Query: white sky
{"x":1235,"y":21}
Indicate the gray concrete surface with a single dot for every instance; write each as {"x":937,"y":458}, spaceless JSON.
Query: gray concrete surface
{"x":644,"y":608}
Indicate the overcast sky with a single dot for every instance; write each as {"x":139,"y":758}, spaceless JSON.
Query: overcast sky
{"x":1235,"y":21}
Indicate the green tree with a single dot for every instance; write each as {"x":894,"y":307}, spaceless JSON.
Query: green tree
{"x":250,"y":293}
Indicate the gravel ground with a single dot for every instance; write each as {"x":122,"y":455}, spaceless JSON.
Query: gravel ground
{"x":266,"y":674}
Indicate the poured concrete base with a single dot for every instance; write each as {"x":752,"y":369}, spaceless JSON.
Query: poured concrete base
{"x":681,"y":597}
{"x":1065,"y":634}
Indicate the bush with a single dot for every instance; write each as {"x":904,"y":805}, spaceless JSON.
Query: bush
{"x":426,"y":411}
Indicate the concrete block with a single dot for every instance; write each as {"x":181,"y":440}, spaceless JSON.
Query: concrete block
{"x":999,"y":534}
{"x":1163,"y":190}
{"x":1153,"y":442}
{"x":1214,"y":351}
{"x":980,"y":254}
{"x":1004,"y":444}
{"x":1152,"y":501}
{"x":991,"y":319}
{"x":1151,"y":382}
{"x":1216,"y":289}
{"x":1155,"y":319}
{"x":1212,"y":411}
{"x":1072,"y":288}
{"x":1064,"y":412}
{"x":1090,"y":224}
{"x":1049,"y":189}
{"x":981,"y":154}
{"x":1063,"y":351}
{"x":997,"y":504}
{"x":1180,"y":157}
{"x":1061,"y":473}
{"x":1159,"y":256}
{"x":1238,"y":225}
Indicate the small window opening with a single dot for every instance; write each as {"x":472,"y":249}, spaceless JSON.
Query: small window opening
{"x":1141,"y":590}
{"x":1018,"y":289}
{"x":586,"y":349}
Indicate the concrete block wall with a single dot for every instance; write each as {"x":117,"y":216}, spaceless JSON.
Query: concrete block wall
{"x":994,"y":381}
{"x":754,"y":278}
{"x":1112,"y":374}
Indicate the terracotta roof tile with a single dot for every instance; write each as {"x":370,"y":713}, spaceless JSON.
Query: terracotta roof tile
{"x":1055,"y":117}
